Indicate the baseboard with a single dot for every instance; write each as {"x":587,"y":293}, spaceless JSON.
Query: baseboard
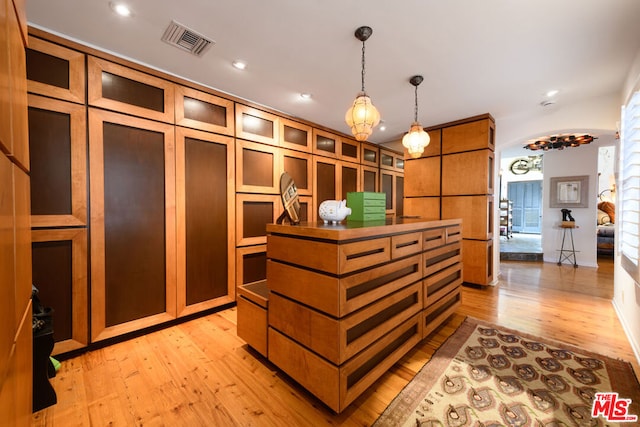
{"x":625,"y":327}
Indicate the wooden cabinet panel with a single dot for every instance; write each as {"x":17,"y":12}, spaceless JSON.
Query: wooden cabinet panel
{"x":390,"y":160}
{"x":18,"y":83}
{"x":474,"y":135}
{"x":22,"y":230}
{"x":325,"y":179}
{"x":5,"y":81}
{"x":257,"y":168}
{"x":370,"y":155}
{"x":60,"y":273}
{"x":476,"y":213}
{"x":57,"y":144}
{"x":55,"y":71}
{"x":125,"y":90}
{"x":300,"y":167}
{"x":370,"y":178}
{"x":205,"y":208}
{"x":350,"y":178}
{"x":257,"y":125}
{"x":326,"y":144}
{"x":133,"y":224}
{"x":7,"y":265}
{"x":467,"y":173}
{"x":424,"y":207}
{"x":200,"y":110}
{"x":424,"y":176}
{"x":253,"y":213}
{"x":350,"y":150}
{"x":295,"y":136}
{"x":251,"y":262}
{"x":478,"y":261}
{"x":392,"y":184}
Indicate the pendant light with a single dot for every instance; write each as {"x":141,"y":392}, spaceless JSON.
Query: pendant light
{"x":416,"y":139}
{"x":363,"y":116}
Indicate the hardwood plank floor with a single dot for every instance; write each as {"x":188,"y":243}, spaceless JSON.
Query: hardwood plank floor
{"x":199,"y":373}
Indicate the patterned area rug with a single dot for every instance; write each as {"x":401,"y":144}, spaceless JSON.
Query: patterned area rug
{"x":488,"y":375}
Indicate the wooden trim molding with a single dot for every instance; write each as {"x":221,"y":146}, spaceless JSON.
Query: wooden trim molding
{"x":97,"y":66}
{"x":78,"y":121}
{"x":183,"y":308}
{"x":76,"y":90}
{"x":79,"y":288}
{"x":99,"y":330}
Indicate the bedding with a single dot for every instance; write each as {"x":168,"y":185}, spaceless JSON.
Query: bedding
{"x":606,"y":239}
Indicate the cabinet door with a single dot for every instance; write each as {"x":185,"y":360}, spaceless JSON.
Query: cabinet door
{"x":60,"y":274}
{"x":326,"y":144}
{"x":7,"y":265}
{"x":133,"y":229}
{"x":200,"y":110}
{"x":370,"y":178}
{"x":257,"y":168}
{"x":468,"y":173}
{"x":349,"y":174}
{"x":295,"y":136}
{"x":370,"y":155}
{"x":205,"y":211}
{"x":256,"y":125}
{"x":392,"y":184}
{"x":57,"y":144}
{"x":326,"y":180}
{"x":300,"y":167}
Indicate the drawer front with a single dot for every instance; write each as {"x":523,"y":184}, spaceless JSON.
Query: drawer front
{"x":433,"y":238}
{"x":406,"y":244}
{"x":440,"y":311}
{"x":441,"y":283}
{"x":439,"y":258}
{"x":252,"y":325}
{"x":453,"y":234}
{"x":337,"y":340}
{"x":358,"y":255}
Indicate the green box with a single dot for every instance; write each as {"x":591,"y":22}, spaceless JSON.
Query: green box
{"x":367,"y":206}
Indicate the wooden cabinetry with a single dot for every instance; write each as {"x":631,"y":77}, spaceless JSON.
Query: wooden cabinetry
{"x":506,"y":218}
{"x":454,"y":179}
{"x":15,"y":240}
{"x":345,"y":304}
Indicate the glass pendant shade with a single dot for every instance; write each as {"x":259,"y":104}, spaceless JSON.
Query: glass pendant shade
{"x":362,"y":117}
{"x":416,"y":140}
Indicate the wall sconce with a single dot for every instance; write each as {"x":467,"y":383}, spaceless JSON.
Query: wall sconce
{"x":416,"y":139}
{"x":363,"y":116}
{"x":559,"y":142}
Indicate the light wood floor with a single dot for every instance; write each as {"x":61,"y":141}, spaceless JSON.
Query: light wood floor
{"x":199,"y":373}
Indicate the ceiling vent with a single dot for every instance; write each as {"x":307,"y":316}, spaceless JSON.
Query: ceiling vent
{"x":184,"y":38}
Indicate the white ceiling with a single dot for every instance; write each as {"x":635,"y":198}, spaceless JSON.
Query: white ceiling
{"x":495,"y":56}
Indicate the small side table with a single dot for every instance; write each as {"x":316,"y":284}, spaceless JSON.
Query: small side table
{"x":567,"y":254}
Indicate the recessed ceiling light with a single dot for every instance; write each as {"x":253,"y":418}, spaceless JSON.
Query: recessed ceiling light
{"x":120,"y":8}
{"x":240,"y":65}
{"x":305,"y":95}
{"x":551,"y":93}
{"x":382,"y":126}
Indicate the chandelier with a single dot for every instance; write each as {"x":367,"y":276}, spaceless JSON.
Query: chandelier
{"x":363,"y":116}
{"x":559,"y":142}
{"x":416,"y":139}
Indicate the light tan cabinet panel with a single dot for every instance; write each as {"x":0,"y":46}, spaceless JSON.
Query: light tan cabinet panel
{"x":475,"y":135}
{"x":22,"y":240}
{"x":133,"y":223}
{"x":477,"y":261}
{"x":205,"y":215}
{"x":19,"y":147}
{"x":201,"y":110}
{"x":467,"y":173}
{"x":257,"y":125}
{"x":476,"y":213}
{"x":7,"y":265}
{"x":60,"y":274}
{"x":434,"y":147}
{"x":423,"y":207}
{"x":295,"y":136}
{"x":55,"y":71}
{"x":257,"y":168}
{"x":423,"y":177}
{"x":119,"y":88}
{"x":58,"y":144}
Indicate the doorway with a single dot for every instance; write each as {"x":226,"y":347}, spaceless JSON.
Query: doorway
{"x":527,"y":206}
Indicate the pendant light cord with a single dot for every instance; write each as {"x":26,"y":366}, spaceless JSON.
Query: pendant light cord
{"x":415,"y":114}
{"x":363,"y":66}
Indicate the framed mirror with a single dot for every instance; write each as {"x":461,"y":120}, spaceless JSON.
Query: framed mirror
{"x":289,"y":195}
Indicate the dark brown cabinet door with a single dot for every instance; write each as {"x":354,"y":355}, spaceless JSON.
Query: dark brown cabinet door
{"x":204,"y":201}
{"x":133,"y":249}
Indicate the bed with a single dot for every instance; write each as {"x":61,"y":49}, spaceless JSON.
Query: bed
{"x":606,"y":229}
